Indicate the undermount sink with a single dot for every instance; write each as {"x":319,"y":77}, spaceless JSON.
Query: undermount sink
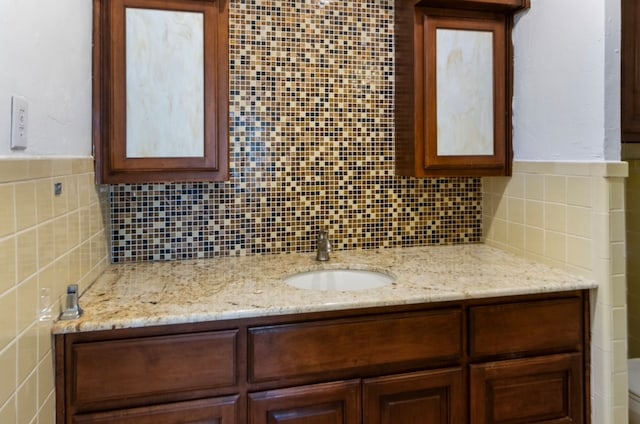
{"x":339,"y":280}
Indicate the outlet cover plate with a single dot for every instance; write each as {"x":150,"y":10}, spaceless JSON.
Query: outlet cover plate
{"x":19,"y":115}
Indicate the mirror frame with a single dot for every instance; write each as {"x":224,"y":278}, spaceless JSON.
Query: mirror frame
{"x":109,"y":97}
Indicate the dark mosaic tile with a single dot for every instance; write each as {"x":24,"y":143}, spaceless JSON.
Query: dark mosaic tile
{"x":311,"y":130}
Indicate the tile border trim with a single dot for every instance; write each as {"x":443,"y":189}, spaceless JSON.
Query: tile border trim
{"x":14,"y":170}
{"x":571,"y":168}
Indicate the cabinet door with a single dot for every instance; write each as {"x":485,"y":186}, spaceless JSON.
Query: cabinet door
{"x":630,"y":71}
{"x":329,"y":403}
{"x":429,"y":397}
{"x":453,"y":89}
{"x":544,"y":389}
{"x":207,"y":411}
{"x":160,"y":94}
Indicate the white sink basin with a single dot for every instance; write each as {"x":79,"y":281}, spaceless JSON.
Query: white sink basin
{"x":339,"y":280}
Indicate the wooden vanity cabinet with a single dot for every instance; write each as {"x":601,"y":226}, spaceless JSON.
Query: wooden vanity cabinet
{"x":519,"y":359}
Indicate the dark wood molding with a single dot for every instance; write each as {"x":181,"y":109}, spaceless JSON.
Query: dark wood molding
{"x":630,"y":68}
{"x":502,"y":6}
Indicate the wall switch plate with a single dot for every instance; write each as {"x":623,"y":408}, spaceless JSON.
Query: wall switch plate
{"x":19,"y":120}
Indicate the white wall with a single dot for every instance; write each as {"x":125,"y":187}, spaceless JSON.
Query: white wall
{"x":566,"y":81}
{"x":566,"y":87}
{"x":45,"y":56}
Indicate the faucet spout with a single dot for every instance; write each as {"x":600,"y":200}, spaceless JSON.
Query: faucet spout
{"x":324,"y":246}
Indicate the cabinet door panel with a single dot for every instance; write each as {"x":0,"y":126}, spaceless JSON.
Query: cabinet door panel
{"x":546,"y":389}
{"x":207,"y":411}
{"x":430,"y":397}
{"x":330,"y":403}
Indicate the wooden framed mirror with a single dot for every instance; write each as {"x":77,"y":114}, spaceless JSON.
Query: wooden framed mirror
{"x":161,"y":90}
{"x":453,"y":87}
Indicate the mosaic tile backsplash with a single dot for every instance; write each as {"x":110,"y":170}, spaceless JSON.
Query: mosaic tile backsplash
{"x":311,"y":131}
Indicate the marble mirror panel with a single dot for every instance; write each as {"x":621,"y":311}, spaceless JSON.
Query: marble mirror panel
{"x":164,"y":83}
{"x":464,"y":92}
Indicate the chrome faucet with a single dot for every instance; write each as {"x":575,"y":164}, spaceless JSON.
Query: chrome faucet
{"x":324,"y":246}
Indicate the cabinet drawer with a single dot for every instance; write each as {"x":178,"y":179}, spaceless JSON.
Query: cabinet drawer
{"x":217,"y":410}
{"x":515,"y":329}
{"x":151,"y":366}
{"x":339,"y":348}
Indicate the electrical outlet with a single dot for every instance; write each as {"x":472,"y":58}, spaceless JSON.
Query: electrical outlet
{"x":19,"y":121}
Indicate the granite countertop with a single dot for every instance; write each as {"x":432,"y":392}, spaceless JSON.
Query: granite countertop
{"x":154,"y":293}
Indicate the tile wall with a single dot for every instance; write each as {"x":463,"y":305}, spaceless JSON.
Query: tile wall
{"x":311,"y":130}
{"x":46,"y":242}
{"x":571,"y":215}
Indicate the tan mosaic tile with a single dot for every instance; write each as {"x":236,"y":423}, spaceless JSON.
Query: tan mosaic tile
{"x":311,"y":131}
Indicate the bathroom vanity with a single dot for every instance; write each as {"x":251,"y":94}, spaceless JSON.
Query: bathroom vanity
{"x":437,"y":346}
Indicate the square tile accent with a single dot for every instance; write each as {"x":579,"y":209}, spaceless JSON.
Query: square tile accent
{"x":575,"y":220}
{"x":41,"y":251}
{"x":312,"y":146}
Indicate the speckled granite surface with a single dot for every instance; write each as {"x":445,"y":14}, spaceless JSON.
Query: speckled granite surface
{"x":152,"y":293}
